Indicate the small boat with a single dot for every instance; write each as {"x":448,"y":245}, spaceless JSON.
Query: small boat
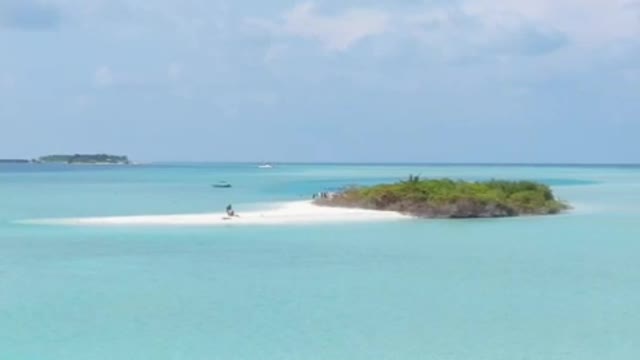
{"x":222,"y":185}
{"x":265,"y":166}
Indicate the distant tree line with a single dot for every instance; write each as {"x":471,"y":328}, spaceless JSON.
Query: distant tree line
{"x":85,"y":159}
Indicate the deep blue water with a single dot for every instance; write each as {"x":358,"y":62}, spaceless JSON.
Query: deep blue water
{"x":562,"y":287}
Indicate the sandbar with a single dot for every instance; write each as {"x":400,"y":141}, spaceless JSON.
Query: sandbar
{"x":298,"y":212}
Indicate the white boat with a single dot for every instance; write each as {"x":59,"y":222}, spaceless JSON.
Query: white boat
{"x":265,"y":166}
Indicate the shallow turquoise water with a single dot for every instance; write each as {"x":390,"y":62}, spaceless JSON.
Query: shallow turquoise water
{"x":564,"y":287}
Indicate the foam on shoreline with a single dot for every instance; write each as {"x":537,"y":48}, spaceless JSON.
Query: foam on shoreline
{"x":299,"y":212}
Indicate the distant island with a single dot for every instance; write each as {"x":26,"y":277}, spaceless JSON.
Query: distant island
{"x":96,"y":159}
{"x":14,"y":161}
{"x":446,"y":198}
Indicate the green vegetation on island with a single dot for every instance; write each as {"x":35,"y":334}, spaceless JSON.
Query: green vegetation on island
{"x":84,"y":159}
{"x":446,"y":198}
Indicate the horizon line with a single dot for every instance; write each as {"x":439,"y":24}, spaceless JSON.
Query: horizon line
{"x":427,"y":163}
{"x":440,"y":163}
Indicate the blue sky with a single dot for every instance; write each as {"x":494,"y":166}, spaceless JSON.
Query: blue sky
{"x":410,"y":81}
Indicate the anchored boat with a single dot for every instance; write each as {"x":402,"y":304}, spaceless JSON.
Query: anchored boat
{"x":222,"y":185}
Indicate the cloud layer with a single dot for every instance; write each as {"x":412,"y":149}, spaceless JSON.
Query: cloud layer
{"x":382,"y":77}
{"x":521,"y":26}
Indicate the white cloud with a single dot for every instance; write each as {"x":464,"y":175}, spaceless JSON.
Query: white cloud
{"x":337,"y":32}
{"x":587,"y":23}
{"x":103,"y":77}
{"x":457,"y":34}
{"x":524,"y":26}
{"x":175,"y":72}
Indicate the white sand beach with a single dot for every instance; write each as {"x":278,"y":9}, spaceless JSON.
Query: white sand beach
{"x":299,"y":212}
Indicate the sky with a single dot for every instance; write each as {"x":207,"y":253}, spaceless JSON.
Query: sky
{"x":296,"y":80}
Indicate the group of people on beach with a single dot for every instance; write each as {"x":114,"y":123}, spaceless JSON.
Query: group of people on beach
{"x":322,"y":195}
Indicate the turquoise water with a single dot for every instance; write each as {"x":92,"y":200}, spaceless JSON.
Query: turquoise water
{"x":563,"y":287}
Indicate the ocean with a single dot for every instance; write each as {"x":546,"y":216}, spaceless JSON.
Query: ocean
{"x":559,"y":287}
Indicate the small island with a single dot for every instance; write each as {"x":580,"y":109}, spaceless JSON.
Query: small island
{"x":96,"y":159}
{"x":451,"y":199}
{"x":14,"y":161}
